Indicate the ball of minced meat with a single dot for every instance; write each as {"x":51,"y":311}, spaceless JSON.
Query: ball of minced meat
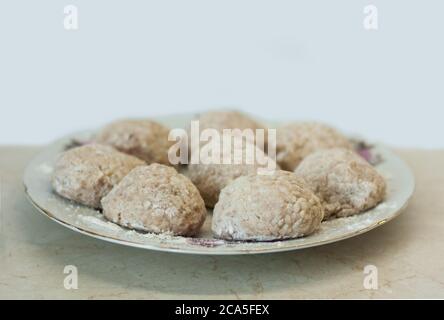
{"x":156,"y":199}
{"x":266,"y":207}
{"x":212,"y":176}
{"x":345,"y":182}
{"x":295,"y":141}
{"x":86,"y":174}
{"x":145,"y":139}
{"x":229,"y":119}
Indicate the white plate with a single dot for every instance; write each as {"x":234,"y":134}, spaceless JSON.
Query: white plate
{"x":400,"y":182}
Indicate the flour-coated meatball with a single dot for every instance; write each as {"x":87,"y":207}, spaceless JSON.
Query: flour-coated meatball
{"x":230,"y":119}
{"x":345,"y":182}
{"x":266,"y":207}
{"x":211,"y":178}
{"x":156,"y":198}
{"x":145,"y":139}
{"x":297,"y":140}
{"x":86,"y":174}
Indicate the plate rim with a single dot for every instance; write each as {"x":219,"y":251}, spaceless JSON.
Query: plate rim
{"x":199,"y":250}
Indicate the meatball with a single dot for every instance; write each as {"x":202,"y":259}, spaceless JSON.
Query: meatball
{"x":345,"y":182}
{"x":212,"y":176}
{"x":220,"y":120}
{"x":156,"y":199}
{"x":295,"y":141}
{"x":86,"y":174}
{"x":266,"y":207}
{"x":145,"y":139}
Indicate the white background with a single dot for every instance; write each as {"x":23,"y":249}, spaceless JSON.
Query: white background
{"x":280,"y":59}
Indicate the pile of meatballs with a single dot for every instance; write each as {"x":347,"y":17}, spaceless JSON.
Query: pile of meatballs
{"x":125,"y":173}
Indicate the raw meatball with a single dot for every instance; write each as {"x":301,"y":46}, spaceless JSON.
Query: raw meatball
{"x":145,"y":139}
{"x":86,"y":174}
{"x":266,"y":207}
{"x":157,"y":199}
{"x":345,"y":182}
{"x":220,"y":120}
{"x":295,"y":141}
{"x":211,"y":178}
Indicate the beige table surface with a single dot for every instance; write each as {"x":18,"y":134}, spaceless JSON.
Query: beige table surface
{"x":408,"y":253}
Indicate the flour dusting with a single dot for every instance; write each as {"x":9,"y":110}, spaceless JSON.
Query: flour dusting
{"x":46,"y":168}
{"x":100,"y":222}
